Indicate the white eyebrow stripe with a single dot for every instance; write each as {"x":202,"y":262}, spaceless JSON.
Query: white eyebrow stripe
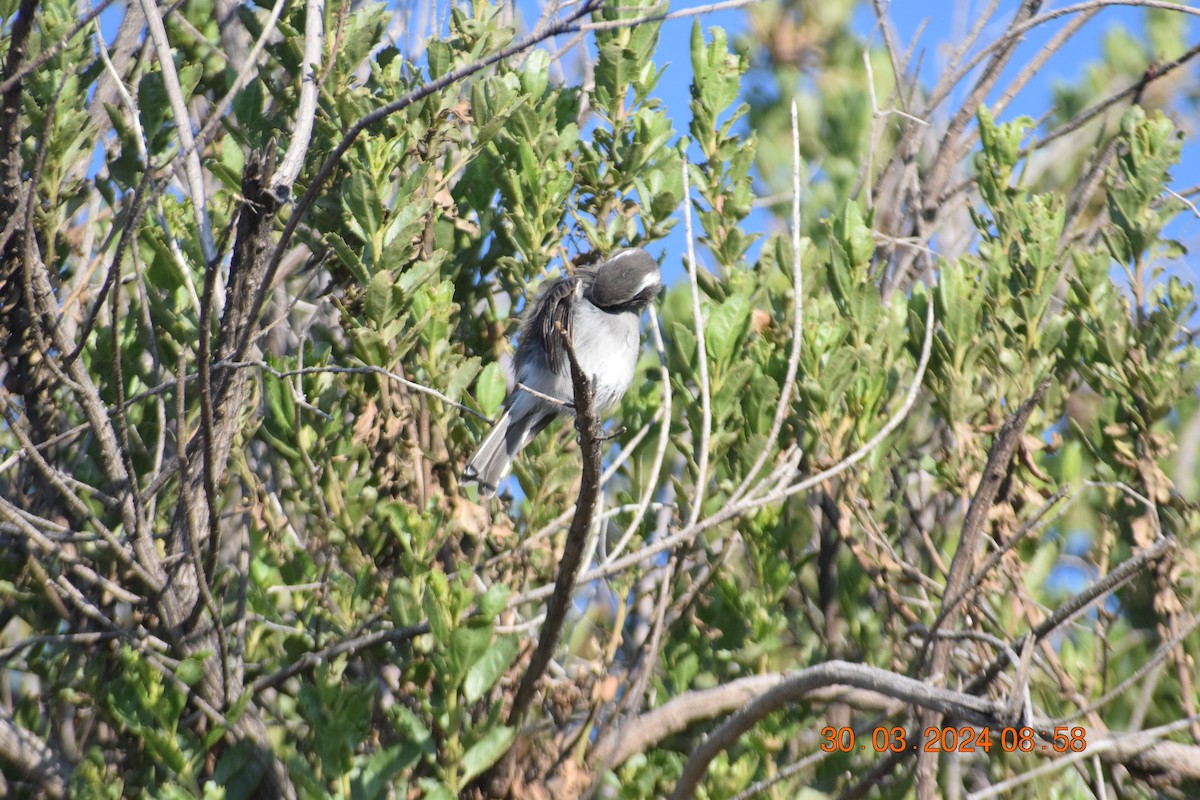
{"x":648,"y":280}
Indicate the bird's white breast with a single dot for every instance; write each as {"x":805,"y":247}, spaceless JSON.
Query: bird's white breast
{"x":607,"y":346}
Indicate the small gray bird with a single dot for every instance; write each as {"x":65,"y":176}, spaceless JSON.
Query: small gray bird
{"x":600,"y":309}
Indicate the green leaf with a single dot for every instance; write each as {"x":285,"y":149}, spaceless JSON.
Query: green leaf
{"x":190,"y":670}
{"x":373,"y":778}
{"x":440,"y":57}
{"x":412,"y":730}
{"x":363,"y":204}
{"x":487,"y":670}
{"x":489,"y":389}
{"x":726,"y":327}
{"x":379,"y":302}
{"x":435,"y":601}
{"x":434,"y":790}
{"x":486,"y":751}
{"x":467,"y":646}
{"x":231,"y":155}
{"x":349,"y":257}
{"x":494,"y":600}
{"x":463,"y":374}
{"x":535,"y":76}
{"x":239,"y":770}
{"x":717,"y":72}
{"x":420,"y":273}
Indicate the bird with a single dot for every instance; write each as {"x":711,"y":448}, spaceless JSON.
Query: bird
{"x":600,"y":309}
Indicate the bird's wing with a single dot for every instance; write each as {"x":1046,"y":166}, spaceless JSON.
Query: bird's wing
{"x":553,"y":320}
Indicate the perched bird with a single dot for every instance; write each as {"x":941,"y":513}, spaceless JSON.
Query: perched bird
{"x":600,"y":309}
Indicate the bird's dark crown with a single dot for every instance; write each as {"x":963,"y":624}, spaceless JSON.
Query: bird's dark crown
{"x":629,"y":280}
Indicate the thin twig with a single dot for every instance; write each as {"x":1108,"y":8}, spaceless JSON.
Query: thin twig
{"x":306,"y":111}
{"x":610,"y":24}
{"x":701,"y":455}
{"x":664,"y":438}
{"x":799,"y":245}
{"x":158,"y":34}
{"x":363,"y":370}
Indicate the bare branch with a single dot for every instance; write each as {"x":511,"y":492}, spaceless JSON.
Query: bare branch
{"x":33,"y":757}
{"x":963,"y":564}
{"x":994,"y":473}
{"x":568,"y":565}
{"x":795,"y":687}
{"x":306,"y":112}
{"x":195,"y":175}
{"x":610,"y":24}
{"x":664,"y":438}
{"x":352,"y":646}
{"x":363,"y":370}
{"x":701,"y":454}
{"x":1144,"y":748}
{"x":678,"y":714}
{"x":799,"y":246}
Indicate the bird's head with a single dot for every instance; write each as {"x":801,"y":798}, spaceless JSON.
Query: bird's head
{"x":630,"y":280}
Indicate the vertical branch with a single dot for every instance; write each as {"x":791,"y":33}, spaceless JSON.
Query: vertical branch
{"x":568,"y":565}
{"x":222,"y":394}
{"x":789,"y":379}
{"x":701,"y":356}
{"x":314,"y":44}
{"x":664,"y":438}
{"x":195,"y":175}
{"x":994,"y":473}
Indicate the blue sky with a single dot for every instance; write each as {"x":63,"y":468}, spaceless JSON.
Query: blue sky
{"x":940,"y":32}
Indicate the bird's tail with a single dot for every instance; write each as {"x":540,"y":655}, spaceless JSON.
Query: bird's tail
{"x":494,"y":456}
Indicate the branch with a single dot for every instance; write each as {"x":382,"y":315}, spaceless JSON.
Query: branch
{"x":796,"y":687}
{"x":33,"y":757}
{"x":195,"y":174}
{"x":1137,"y":750}
{"x":701,"y":358}
{"x":994,"y":473}
{"x":961,"y":567}
{"x":363,"y":370}
{"x":643,"y":733}
{"x":314,"y":43}
{"x":799,"y":245}
{"x":324,"y":655}
{"x":610,"y":24}
{"x":1074,"y":606}
{"x":568,"y":566}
